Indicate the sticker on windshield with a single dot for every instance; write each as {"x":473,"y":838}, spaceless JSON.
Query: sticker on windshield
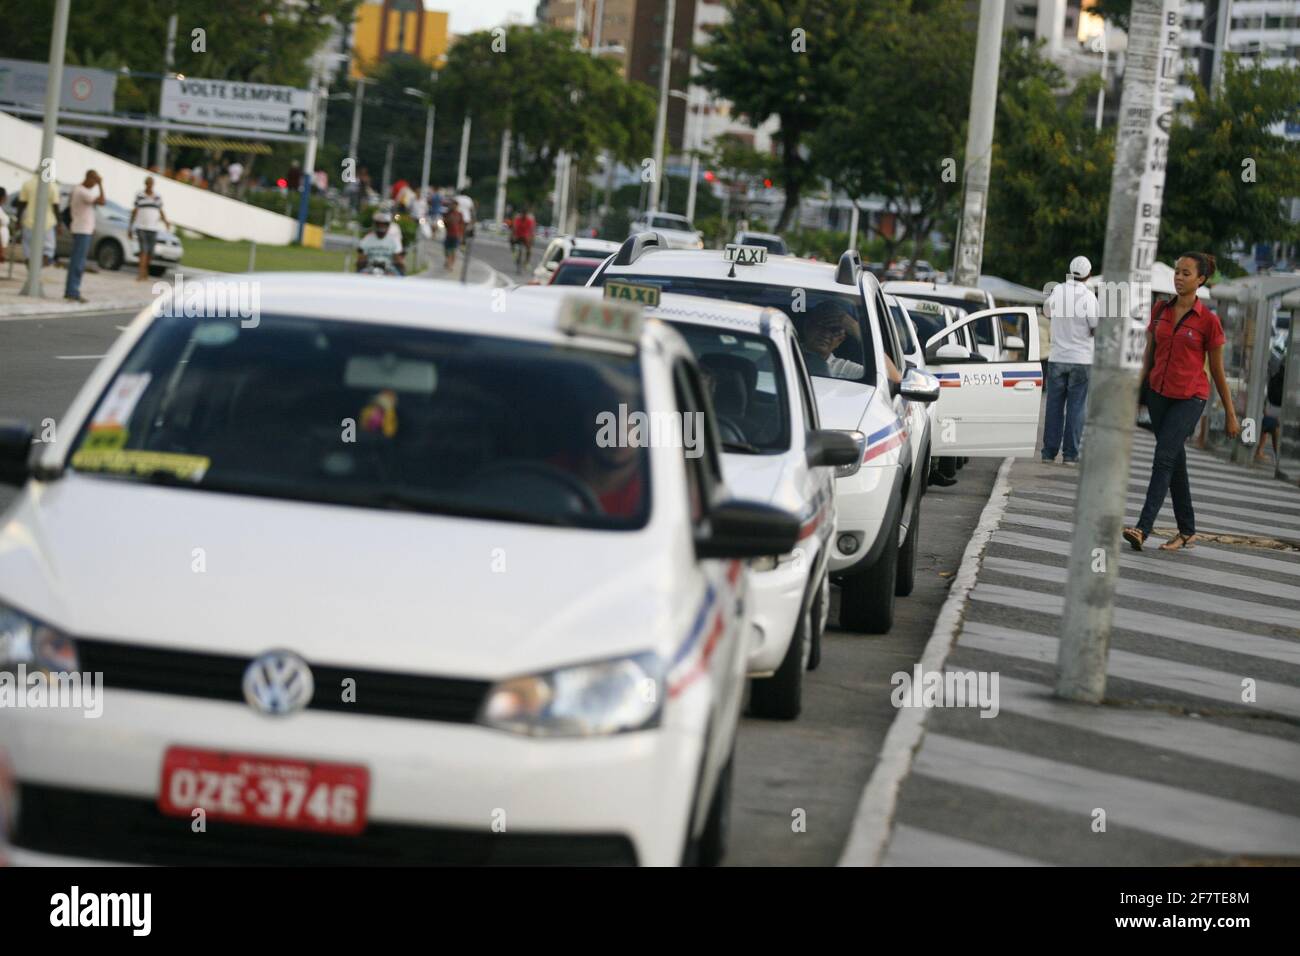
{"x":106,"y":437}
{"x":216,"y":333}
{"x":381,"y":414}
{"x":116,"y":408}
{"x":125,"y":461}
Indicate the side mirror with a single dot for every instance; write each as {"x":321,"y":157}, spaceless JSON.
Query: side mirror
{"x":1013,"y":342}
{"x":918,"y":386}
{"x":15,"y":448}
{"x":953,"y":352}
{"x":746,"y":529}
{"x":830,"y":447}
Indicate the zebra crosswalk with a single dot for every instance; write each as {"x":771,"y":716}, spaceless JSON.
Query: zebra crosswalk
{"x":1194,"y":756}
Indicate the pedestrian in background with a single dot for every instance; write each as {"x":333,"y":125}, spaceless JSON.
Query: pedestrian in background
{"x":1073,"y":311}
{"x":1183,"y":332}
{"x":455,"y":223}
{"x":81,"y":204}
{"x":27,"y":218}
{"x":4,"y":225}
{"x":145,"y":218}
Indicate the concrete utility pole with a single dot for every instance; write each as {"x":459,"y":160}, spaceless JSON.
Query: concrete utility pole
{"x":979,"y":144}
{"x":309,"y":161}
{"x":354,"y":139}
{"x":462,"y":177}
{"x":428,"y":148}
{"x":45,"y":175}
{"x":169,"y":59}
{"x":661,"y":119}
{"x":503,"y":170}
{"x":1132,"y":231}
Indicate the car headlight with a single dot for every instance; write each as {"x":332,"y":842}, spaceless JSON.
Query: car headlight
{"x":586,"y":700}
{"x":24,"y":640}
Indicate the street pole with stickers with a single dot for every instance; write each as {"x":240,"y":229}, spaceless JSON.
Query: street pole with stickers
{"x":1132,"y":233}
{"x":969,"y":253}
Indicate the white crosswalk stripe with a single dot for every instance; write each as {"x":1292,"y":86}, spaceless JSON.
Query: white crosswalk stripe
{"x":1289,"y":504}
{"x":1204,"y":521}
{"x":912,"y":846}
{"x":1218,"y":510}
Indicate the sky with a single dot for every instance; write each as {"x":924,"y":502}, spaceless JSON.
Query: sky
{"x":470,"y":15}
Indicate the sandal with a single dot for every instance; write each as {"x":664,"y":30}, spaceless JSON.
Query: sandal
{"x":1180,"y":542}
{"x":1135,"y":537}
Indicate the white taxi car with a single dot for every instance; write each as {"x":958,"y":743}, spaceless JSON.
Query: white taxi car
{"x":966,"y":299}
{"x":364,"y":584}
{"x":861,"y":381}
{"x":569,"y":247}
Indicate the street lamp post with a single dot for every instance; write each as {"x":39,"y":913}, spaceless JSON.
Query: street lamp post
{"x":46,"y":174}
{"x":428,"y":134}
{"x":661,"y":119}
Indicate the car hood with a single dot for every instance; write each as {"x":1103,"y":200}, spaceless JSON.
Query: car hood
{"x":841,"y":404}
{"x":387,"y":590}
{"x":753,"y":477}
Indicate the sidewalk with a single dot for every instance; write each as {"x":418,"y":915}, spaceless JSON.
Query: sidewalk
{"x":1184,"y":770}
{"x":106,"y":291}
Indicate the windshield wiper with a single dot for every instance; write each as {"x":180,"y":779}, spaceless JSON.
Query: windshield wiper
{"x":407,"y":500}
{"x":742,"y":446}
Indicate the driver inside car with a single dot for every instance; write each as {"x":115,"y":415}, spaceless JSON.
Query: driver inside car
{"x":822,"y":332}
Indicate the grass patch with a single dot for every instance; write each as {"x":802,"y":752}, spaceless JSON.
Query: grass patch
{"x":226,"y":256}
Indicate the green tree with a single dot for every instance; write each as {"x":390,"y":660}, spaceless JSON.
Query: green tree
{"x":900,"y":135}
{"x":782,"y":58}
{"x":1230,"y":173}
{"x":1050,"y":182}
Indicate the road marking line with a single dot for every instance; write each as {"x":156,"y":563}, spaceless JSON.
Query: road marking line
{"x":1166,"y":514}
{"x":873,"y":818}
{"x":1182,"y":598}
{"x":1185,"y":735}
{"x":1231,"y":492}
{"x":1223,"y":825}
{"x":1201,"y":552}
{"x":1143,"y":622}
{"x":1128,"y":560}
{"x":1217,"y":510}
{"x":913,"y":846}
{"x":1160,"y":672}
{"x":78,"y":357}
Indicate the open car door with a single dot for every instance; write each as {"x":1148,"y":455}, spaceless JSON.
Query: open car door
{"x":987,"y":409}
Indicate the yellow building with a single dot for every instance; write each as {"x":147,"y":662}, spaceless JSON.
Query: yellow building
{"x":385,"y":27}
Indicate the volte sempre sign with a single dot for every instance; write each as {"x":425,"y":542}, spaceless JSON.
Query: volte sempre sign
{"x":262,"y":106}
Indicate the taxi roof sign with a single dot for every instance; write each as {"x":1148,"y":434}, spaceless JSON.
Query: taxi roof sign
{"x":604,"y":319}
{"x":742,"y":255}
{"x":925,"y":305}
{"x":631,"y":293}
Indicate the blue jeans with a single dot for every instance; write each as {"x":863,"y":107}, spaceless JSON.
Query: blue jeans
{"x":1067,"y":404}
{"x":1173,"y":420}
{"x":77,"y":264}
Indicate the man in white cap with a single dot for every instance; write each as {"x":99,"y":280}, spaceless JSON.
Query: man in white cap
{"x":1072,"y":309}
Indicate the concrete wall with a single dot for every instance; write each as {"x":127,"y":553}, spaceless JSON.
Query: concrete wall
{"x":197,"y":209}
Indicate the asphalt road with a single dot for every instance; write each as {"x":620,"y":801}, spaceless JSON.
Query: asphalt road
{"x":818,"y":764}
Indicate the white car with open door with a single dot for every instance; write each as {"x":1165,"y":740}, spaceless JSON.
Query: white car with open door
{"x":986,"y":333}
{"x":861,"y":383}
{"x":987,"y":409}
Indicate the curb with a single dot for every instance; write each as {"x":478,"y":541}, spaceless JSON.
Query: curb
{"x":873,"y":820}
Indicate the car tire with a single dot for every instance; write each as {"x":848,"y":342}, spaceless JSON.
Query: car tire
{"x":710,"y":846}
{"x":948,"y":466}
{"x":780,"y":697}
{"x":867,"y":598}
{"x":109,"y":255}
{"x":907,"y":554}
{"x":157,"y":270}
{"x":820,"y":612}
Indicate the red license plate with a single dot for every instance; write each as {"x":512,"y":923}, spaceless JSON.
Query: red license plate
{"x":265,"y":791}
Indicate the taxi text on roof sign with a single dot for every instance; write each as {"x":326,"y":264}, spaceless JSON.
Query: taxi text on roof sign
{"x":607,"y":319}
{"x":925,"y":305}
{"x":743,"y":255}
{"x":631,"y":292}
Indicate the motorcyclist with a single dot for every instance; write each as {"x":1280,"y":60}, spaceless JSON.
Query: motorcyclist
{"x":382,"y":245}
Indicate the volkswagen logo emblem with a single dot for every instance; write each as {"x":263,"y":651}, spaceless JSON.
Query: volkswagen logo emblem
{"x":278,"y":683}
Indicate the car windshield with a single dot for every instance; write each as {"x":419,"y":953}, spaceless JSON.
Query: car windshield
{"x":377,"y":416}
{"x":772,"y":245}
{"x":983,"y":329}
{"x":833,"y":327}
{"x":589,"y":252}
{"x":574,"y":273}
{"x":670,"y":222}
{"x":745,"y":380}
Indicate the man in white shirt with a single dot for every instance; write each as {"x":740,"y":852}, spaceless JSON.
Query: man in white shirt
{"x":824,"y":332}
{"x":81,"y":204}
{"x":1073,"y":311}
{"x":146,"y":217}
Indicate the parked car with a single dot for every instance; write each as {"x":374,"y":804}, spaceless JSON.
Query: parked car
{"x":678,"y":232}
{"x":768,"y":240}
{"x":114,"y":244}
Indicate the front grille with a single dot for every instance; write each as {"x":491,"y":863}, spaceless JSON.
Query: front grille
{"x":108,"y":827}
{"x":220,"y":677}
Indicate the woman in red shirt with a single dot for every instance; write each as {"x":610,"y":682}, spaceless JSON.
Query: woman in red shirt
{"x":1182,"y":333}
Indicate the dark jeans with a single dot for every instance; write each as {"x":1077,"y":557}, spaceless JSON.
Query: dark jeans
{"x":1067,"y":402}
{"x":77,"y":263}
{"x":1172,"y":420}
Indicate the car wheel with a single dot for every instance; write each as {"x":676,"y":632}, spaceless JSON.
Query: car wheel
{"x":867,"y":598}
{"x":157,"y":270}
{"x":109,"y":255}
{"x":712,"y":844}
{"x":780,"y":697}
{"x":821,"y":611}
{"x":907,"y":554}
{"x":948,"y":466}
